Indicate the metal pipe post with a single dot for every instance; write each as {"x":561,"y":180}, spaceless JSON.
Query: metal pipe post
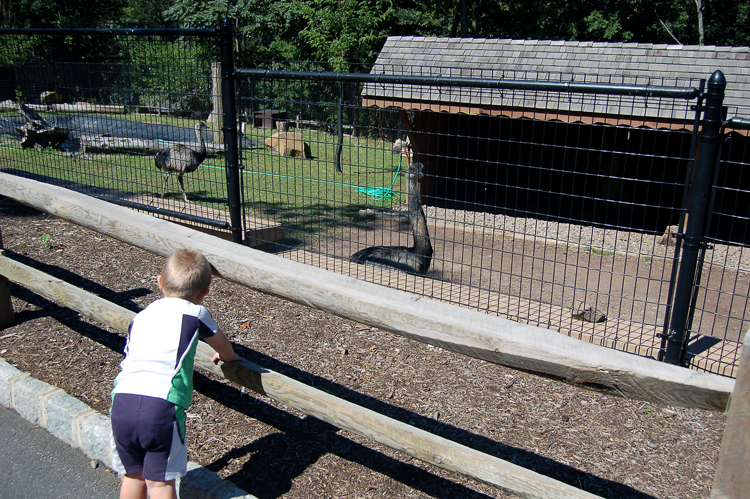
{"x":694,"y":233}
{"x":230,"y":128}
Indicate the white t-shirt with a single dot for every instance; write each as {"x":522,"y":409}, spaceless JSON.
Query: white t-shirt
{"x":160,"y":350}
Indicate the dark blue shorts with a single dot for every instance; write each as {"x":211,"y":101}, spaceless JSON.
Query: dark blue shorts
{"x":147,"y":437}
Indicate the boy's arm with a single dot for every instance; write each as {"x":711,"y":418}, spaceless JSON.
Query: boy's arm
{"x":223,"y":347}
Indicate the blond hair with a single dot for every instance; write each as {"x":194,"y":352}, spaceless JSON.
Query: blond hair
{"x":185,"y":274}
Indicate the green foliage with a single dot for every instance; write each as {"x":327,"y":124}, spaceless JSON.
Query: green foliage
{"x":59,"y":13}
{"x":145,"y":12}
{"x":46,"y":238}
{"x":173,"y":75}
{"x":606,"y":26}
{"x":339,"y":31}
{"x":266,"y":29}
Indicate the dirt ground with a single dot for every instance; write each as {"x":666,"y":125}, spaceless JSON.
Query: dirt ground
{"x":609,"y":446}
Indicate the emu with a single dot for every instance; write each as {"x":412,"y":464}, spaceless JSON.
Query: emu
{"x":415,"y":259}
{"x":402,"y":146}
{"x":181,"y":159}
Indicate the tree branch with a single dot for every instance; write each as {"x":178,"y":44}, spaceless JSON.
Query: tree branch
{"x":667,"y":27}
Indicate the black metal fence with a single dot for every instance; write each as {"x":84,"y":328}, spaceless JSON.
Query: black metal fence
{"x":556,"y":200}
{"x":118,"y":96}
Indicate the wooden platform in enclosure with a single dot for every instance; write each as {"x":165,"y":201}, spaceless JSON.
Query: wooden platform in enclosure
{"x":257,"y":231}
{"x":633,"y":337}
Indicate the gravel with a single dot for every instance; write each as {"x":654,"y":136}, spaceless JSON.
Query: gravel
{"x":629,"y":243}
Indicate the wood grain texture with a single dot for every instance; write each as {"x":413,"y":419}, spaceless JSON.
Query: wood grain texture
{"x":346,"y":415}
{"x":399,"y":436}
{"x":732,"y":478}
{"x":472,"y":333}
{"x":108,"y":144}
{"x":66,"y":294}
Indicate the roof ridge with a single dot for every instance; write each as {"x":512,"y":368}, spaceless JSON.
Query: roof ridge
{"x":587,"y":43}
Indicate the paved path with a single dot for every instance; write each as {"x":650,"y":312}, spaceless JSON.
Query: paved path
{"x":35,"y":464}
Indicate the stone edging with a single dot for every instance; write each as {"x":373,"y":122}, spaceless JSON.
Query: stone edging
{"x":75,"y":423}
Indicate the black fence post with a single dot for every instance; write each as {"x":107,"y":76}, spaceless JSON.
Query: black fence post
{"x":693,"y":238}
{"x":230,"y":128}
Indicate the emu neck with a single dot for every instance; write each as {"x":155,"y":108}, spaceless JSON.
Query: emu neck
{"x":417,"y":220}
{"x":199,"y":136}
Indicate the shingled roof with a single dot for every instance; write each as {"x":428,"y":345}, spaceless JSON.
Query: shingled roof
{"x":592,"y":62}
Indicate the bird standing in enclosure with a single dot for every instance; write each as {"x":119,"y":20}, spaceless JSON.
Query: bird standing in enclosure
{"x":181,"y":159}
{"x":415,"y":259}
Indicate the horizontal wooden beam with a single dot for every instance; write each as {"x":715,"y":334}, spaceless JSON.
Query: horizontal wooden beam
{"x":109,"y":144}
{"x":520,"y":346}
{"x":732,"y":480}
{"x":80,"y":107}
{"x":400,"y":436}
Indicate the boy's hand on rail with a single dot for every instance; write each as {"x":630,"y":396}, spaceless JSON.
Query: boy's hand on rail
{"x":235,"y":358}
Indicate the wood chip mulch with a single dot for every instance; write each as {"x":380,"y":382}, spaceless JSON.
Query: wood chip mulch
{"x":609,"y":446}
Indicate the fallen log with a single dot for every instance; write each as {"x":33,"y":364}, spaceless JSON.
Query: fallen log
{"x":107,"y":144}
{"x":37,"y":132}
{"x":80,"y":107}
{"x":39,"y":139}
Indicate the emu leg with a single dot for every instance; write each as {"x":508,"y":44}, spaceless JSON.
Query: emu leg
{"x":184,"y":194}
{"x":164,"y":184}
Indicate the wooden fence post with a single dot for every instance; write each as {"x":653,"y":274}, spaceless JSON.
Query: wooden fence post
{"x":216,"y":118}
{"x":732,"y":479}
{"x":7,"y":318}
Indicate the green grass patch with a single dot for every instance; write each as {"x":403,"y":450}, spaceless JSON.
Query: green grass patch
{"x":308,"y":196}
{"x":598,"y":251}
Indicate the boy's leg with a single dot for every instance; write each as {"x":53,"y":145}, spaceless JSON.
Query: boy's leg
{"x":133,"y":486}
{"x":161,"y":490}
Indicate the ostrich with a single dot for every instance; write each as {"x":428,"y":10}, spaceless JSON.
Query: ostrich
{"x":415,"y":259}
{"x":181,"y":159}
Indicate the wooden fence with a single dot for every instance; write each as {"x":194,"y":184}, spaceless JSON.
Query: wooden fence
{"x":468,"y":332}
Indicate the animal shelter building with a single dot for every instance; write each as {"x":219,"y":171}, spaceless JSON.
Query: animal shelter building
{"x":551,"y":152}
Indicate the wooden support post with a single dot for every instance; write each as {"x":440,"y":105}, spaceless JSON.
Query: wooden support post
{"x":732,"y":479}
{"x":216,"y":118}
{"x":7,"y":317}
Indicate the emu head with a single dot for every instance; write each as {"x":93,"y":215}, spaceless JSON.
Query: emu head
{"x":416,"y":168}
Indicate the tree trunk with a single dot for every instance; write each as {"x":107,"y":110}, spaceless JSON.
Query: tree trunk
{"x":701,"y":30}
{"x":42,"y":137}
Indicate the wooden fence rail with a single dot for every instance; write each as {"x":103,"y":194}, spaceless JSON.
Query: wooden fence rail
{"x":490,"y":338}
{"x":319,"y":404}
{"x":493,"y":339}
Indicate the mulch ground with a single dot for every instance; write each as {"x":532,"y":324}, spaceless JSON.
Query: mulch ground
{"x":606,"y":445}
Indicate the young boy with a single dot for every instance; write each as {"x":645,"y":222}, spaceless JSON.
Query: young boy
{"x":155,"y":386}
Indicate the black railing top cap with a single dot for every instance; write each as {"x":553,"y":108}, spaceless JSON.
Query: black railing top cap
{"x":445,"y":81}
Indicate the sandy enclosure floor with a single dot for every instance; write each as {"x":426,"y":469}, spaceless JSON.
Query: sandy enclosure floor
{"x":544,"y":273}
{"x":609,"y":446}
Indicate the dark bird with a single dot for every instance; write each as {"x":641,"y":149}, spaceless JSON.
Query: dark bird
{"x":415,"y":259}
{"x":181,"y":159}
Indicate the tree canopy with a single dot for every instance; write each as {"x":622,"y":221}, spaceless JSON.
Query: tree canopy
{"x":353,"y":31}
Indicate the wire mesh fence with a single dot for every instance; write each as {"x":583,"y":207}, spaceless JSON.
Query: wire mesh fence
{"x":107,"y":101}
{"x":551,"y":199}
{"x":554,"y":215}
{"x":721,"y":297}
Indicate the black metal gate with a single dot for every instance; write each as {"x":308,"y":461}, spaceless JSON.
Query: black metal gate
{"x":546,"y":219}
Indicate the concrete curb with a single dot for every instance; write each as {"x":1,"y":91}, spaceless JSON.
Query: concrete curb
{"x":82,"y":427}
